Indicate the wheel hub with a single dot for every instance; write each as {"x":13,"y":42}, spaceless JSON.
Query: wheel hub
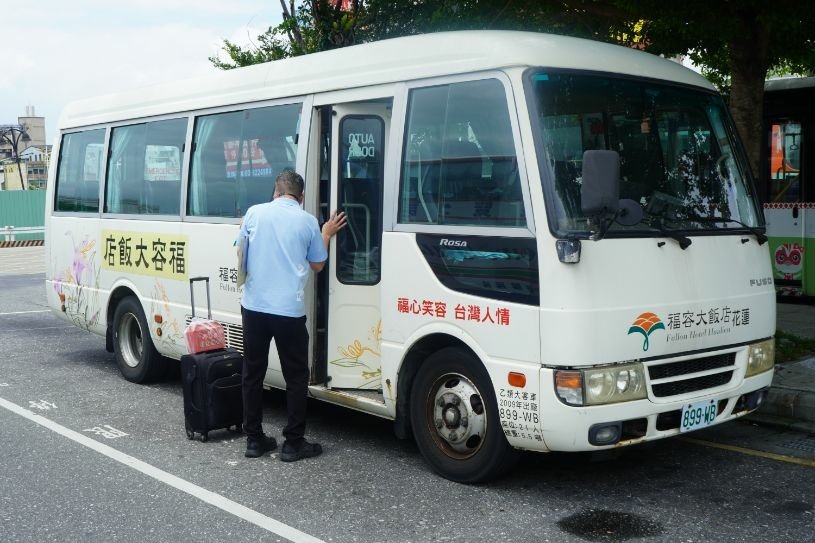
{"x":130,"y":340}
{"x":452,"y":416}
{"x":458,"y":412}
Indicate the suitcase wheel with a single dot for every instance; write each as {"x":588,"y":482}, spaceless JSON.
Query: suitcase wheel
{"x":190,"y":434}
{"x":204,"y":437}
{"x":235,"y":429}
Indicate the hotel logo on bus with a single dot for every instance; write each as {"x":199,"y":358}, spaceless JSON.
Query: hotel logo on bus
{"x":687,"y":325}
{"x":145,"y":253}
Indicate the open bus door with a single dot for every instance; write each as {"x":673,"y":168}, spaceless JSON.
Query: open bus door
{"x":358,"y":147}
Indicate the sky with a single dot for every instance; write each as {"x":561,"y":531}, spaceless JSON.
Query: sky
{"x":56,"y":51}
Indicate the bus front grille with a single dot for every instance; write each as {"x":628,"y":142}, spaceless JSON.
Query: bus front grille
{"x":674,"y":369}
{"x":695,"y":375}
{"x":675,"y":388}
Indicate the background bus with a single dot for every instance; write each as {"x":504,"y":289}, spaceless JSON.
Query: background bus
{"x":786,"y":184}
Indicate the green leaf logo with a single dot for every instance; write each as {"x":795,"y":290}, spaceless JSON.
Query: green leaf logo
{"x":645,"y":324}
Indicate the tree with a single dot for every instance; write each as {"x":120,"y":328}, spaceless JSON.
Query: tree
{"x":736,"y":43}
{"x":314,"y":25}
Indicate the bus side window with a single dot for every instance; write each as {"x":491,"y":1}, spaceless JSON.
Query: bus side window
{"x":459,"y":161}
{"x":361,"y":176}
{"x":785,"y":161}
{"x":144,"y":168}
{"x":237,"y":157}
{"x":79,"y":168}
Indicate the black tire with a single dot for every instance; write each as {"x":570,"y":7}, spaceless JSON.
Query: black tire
{"x":455,"y":421}
{"x":137,"y":357}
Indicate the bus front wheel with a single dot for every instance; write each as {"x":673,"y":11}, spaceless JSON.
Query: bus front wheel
{"x":455,"y":421}
{"x":137,"y":357}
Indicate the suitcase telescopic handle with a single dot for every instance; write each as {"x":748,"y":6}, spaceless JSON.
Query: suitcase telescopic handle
{"x":193,"y":280}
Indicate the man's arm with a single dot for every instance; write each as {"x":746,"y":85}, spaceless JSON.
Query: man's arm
{"x":334,"y":224}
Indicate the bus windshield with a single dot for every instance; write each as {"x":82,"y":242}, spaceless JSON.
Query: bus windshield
{"x":678,"y":154}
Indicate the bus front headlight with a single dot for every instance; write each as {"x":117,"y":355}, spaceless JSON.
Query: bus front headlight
{"x":615,"y":384}
{"x":760,"y":357}
{"x":597,"y":386}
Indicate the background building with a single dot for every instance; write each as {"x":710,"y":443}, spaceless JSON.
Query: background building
{"x":31,"y":153}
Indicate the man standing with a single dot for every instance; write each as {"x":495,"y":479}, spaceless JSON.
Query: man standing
{"x":284,"y":244}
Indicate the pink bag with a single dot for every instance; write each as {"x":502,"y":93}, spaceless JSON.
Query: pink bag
{"x":203,"y":335}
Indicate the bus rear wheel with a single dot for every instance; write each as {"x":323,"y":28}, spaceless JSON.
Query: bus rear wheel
{"x":455,"y":421}
{"x":136,"y":356}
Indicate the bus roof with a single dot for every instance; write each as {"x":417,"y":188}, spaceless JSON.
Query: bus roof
{"x":789,"y":83}
{"x":386,"y":61}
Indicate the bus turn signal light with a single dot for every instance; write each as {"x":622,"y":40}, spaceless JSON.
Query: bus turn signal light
{"x":516,"y":379}
{"x":569,"y":386}
{"x":569,"y":379}
{"x":158,"y":318}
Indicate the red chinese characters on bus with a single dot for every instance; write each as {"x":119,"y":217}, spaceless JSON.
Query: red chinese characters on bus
{"x":437,"y":309}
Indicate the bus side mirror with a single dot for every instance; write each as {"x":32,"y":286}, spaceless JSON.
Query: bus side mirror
{"x":600,"y":191}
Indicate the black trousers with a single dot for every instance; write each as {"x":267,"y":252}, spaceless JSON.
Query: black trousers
{"x":291,"y":338}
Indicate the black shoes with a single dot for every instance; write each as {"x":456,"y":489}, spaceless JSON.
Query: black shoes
{"x":306,"y":450}
{"x":258,"y":446}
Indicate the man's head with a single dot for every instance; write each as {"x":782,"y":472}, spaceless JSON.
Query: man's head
{"x":289,"y":183}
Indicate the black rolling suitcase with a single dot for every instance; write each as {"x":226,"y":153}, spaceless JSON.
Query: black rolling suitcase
{"x":212,"y":387}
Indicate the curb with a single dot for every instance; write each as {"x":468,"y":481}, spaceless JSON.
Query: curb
{"x":791,"y":399}
{"x":22,"y":243}
{"x":776,"y":421}
{"x":790,"y":403}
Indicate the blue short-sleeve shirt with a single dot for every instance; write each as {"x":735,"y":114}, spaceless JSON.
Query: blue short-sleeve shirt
{"x":283,"y":240}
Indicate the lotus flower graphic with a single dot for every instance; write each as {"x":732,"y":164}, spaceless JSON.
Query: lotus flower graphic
{"x":645,"y":324}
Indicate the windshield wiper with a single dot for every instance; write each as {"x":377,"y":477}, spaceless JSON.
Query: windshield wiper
{"x":760,"y":237}
{"x":684,"y":241}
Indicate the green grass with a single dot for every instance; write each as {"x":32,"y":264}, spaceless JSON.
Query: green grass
{"x":791,"y":347}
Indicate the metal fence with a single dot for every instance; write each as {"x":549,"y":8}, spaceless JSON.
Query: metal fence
{"x":22,"y":215}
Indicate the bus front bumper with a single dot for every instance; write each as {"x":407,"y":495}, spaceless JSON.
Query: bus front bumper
{"x":591,"y":428}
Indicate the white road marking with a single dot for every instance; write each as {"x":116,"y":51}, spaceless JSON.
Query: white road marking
{"x":234,"y":508}
{"x":25,"y":312}
{"x":36,"y":328}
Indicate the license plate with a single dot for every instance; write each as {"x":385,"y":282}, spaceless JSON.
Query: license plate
{"x":698,"y":415}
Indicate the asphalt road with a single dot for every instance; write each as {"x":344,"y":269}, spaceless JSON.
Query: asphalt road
{"x":87,"y":456}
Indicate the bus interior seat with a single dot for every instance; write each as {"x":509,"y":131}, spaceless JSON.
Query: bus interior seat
{"x":428,"y":192}
{"x":461,"y":179}
{"x":461,"y":167}
{"x":506,"y":183}
{"x":424,"y":169}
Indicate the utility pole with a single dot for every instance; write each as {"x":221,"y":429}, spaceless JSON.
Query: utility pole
{"x":13,"y":134}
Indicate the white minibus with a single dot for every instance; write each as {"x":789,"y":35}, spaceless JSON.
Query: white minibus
{"x":553,"y":244}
